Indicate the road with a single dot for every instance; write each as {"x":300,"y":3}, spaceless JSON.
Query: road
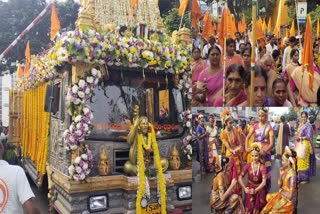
{"x":308,"y":194}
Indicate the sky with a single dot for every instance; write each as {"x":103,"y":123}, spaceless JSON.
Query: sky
{"x":279,"y":110}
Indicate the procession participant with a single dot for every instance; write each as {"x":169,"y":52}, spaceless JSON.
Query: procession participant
{"x":255,"y":191}
{"x":252,"y":121}
{"x":15,"y":191}
{"x":246,"y":57}
{"x":201,"y":134}
{"x":266,"y":63}
{"x":212,"y":132}
{"x":263,"y":133}
{"x":238,"y":41}
{"x":198,"y":65}
{"x":291,"y":86}
{"x":260,"y":88}
{"x":279,"y":93}
{"x":222,"y":197}
{"x":234,"y":94}
{"x":211,"y":43}
{"x":242,"y":131}
{"x":283,"y":136}
{"x":210,"y":81}
{"x":231,"y":56}
{"x":305,"y":150}
{"x":287,"y":52}
{"x":271,"y":45}
{"x":284,"y":200}
{"x":230,"y":141}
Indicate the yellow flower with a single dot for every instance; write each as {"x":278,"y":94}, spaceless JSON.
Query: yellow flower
{"x":152,"y":62}
{"x":126,"y":52}
{"x":144,"y":54}
{"x":133,"y":50}
{"x":115,"y":41}
{"x":168,"y":64}
{"x":117,"y":52}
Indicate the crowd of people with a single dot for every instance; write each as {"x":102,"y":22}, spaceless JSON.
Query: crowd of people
{"x":246,"y":151}
{"x":279,"y":78}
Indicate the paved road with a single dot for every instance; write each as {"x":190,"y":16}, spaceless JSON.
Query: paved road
{"x":308,"y":194}
{"x":41,"y":200}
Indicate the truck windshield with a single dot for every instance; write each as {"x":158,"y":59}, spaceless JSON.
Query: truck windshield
{"x":114,"y":100}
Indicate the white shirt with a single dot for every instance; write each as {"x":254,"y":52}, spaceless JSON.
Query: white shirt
{"x":238,"y":44}
{"x":14,"y":188}
{"x":270,"y":49}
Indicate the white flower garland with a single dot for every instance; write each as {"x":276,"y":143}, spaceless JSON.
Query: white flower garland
{"x":81,"y":125}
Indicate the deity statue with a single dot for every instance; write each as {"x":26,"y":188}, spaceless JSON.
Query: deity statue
{"x":104,"y":167}
{"x":142,"y":135}
{"x":175,"y":159}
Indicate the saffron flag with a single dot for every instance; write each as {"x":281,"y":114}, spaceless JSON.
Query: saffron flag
{"x":183,"y":7}
{"x":307,"y":54}
{"x":55,"y":23}
{"x":269,"y":25}
{"x":134,"y":3}
{"x":19,"y":71}
{"x":225,"y":26}
{"x":195,"y":14}
{"x":208,"y":27}
{"x":28,"y":58}
{"x":292,"y":30}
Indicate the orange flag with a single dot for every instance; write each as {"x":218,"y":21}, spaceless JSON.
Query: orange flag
{"x":195,"y":13}
{"x":233,"y":27}
{"x":225,"y":26}
{"x":264,"y":26}
{"x":183,"y":7}
{"x":28,"y":58}
{"x":292,"y":30}
{"x":19,"y":71}
{"x":55,"y":23}
{"x":259,"y":32}
{"x":134,"y":3}
{"x":269,"y":25}
{"x":208,"y":27}
{"x":243,"y":24}
{"x":307,"y":54}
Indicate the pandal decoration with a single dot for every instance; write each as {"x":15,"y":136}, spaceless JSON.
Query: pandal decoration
{"x":80,"y":126}
{"x":143,"y":191}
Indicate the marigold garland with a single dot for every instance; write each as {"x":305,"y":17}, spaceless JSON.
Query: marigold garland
{"x":141,"y":171}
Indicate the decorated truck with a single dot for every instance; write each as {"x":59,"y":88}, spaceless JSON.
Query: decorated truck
{"x":98,"y":120}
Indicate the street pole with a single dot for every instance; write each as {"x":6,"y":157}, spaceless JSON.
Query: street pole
{"x":296,"y":6}
{"x":253,"y":50}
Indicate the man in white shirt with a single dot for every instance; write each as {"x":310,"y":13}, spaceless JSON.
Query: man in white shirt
{"x":212,"y":42}
{"x":15,"y":192}
{"x":238,"y":40}
{"x":271,"y":46}
{"x":286,"y":55}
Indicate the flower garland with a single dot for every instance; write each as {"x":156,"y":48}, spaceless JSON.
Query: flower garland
{"x":141,"y":172}
{"x":81,"y":125}
{"x":186,"y":147}
{"x":106,"y":48}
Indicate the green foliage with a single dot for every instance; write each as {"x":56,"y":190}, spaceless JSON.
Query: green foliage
{"x":16,"y":15}
{"x":315,"y":15}
{"x":172,"y":20}
{"x":291,"y":115}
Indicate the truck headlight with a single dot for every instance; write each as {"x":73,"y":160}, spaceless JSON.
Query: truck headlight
{"x":98,"y":203}
{"x":184,"y":192}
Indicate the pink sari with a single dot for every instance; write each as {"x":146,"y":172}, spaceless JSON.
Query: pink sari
{"x":214,"y":85}
{"x":237,"y":100}
{"x":197,"y":67}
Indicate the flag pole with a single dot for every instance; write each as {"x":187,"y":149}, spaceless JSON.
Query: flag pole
{"x":224,"y":71}
{"x":253,"y":50}
{"x":296,"y":6}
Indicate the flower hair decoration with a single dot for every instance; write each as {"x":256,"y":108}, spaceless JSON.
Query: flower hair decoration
{"x":225,"y":115}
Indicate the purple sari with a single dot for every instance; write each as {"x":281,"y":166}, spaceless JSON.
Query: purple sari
{"x":214,"y":85}
{"x":307,"y":131}
{"x":203,"y":151}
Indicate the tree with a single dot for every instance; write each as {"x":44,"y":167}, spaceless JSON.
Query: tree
{"x":166,"y":5}
{"x":291,"y":115}
{"x":16,"y":15}
{"x":172,"y":20}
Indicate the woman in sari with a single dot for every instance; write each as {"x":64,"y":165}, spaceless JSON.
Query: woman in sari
{"x":279,"y":93}
{"x":263,"y":134}
{"x":284,"y":200}
{"x":260,"y":88}
{"x":202,"y":145}
{"x":305,"y":150}
{"x":292,"y":88}
{"x":230,"y":141}
{"x":212,"y":132}
{"x":198,"y":65}
{"x":209,"y":85}
{"x":231,"y":56}
{"x":222,"y":198}
{"x":246,"y":57}
{"x":252,"y":121}
{"x":255,"y":191}
{"x":266,"y":63}
{"x":234,"y":84}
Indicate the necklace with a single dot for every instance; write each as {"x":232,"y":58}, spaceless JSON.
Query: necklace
{"x":260,"y":132}
{"x":255,"y":173}
{"x":146,"y":143}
